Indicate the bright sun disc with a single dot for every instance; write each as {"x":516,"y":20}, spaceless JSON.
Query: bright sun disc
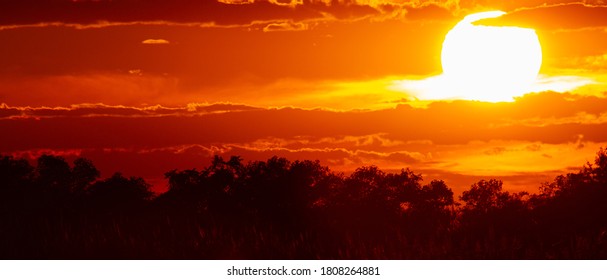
{"x":490,"y":63}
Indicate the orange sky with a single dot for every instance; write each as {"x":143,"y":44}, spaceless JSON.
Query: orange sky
{"x":144,"y":87}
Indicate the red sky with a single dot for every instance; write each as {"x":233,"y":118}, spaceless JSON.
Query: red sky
{"x":144,"y":87}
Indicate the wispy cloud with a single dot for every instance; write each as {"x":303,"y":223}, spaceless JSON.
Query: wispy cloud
{"x":155,"y":42}
{"x":554,"y":17}
{"x":285,"y":26}
{"x":220,"y":13}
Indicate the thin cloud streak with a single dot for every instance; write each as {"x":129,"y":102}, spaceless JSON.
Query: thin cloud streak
{"x":440,"y":87}
{"x":155,"y":42}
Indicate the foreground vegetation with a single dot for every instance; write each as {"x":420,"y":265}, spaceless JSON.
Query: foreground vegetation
{"x":277,"y":209}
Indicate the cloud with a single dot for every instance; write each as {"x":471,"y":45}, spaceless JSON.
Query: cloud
{"x":87,"y":14}
{"x":137,"y":86}
{"x":285,"y":26}
{"x":554,"y":17}
{"x":236,"y":2}
{"x":291,"y":3}
{"x":430,"y":12}
{"x":560,"y":83}
{"x":222,"y":13}
{"x":525,"y":142}
{"x":589,"y":62}
{"x":546,"y":118}
{"x":109,"y":88}
{"x":155,"y":42}
{"x":219,"y":13}
{"x":103,"y":110}
{"x":579,"y":118}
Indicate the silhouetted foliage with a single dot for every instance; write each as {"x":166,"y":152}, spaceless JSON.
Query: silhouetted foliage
{"x":15,"y":175}
{"x":54,"y":173}
{"x":301,"y":209}
{"x":84,"y":173}
{"x":119,"y":193}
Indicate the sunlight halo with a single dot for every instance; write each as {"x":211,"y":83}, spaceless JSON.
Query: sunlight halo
{"x":483,"y":63}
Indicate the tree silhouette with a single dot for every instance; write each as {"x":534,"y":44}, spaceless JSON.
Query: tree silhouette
{"x":53,"y":173}
{"x":119,"y":194}
{"x":484,"y":196}
{"x":84,"y":173}
{"x":577,"y":200}
{"x":293,"y":209}
{"x":436,"y":195}
{"x":599,"y":170}
{"x":15,"y":175}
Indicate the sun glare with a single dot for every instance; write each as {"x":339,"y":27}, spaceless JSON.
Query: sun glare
{"x":490,"y":63}
{"x":484,"y":63}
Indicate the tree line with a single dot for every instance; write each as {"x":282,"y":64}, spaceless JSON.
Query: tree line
{"x":281,"y":209}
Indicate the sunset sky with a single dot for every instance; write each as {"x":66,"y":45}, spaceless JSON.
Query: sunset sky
{"x":144,"y":87}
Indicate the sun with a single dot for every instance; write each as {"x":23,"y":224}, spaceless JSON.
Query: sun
{"x":489,"y":63}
